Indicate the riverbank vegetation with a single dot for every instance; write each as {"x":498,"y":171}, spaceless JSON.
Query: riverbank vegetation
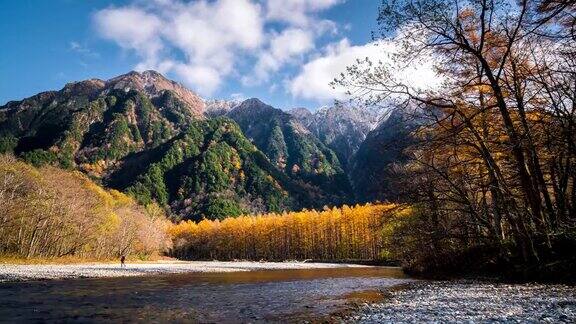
{"x":492,"y":168}
{"x":346,"y":233}
{"x":52,"y":213}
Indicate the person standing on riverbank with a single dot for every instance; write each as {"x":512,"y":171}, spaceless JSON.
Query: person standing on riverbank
{"x":122,"y":261}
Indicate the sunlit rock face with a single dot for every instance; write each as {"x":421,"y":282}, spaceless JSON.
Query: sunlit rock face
{"x":155,"y":84}
{"x":342,"y":128}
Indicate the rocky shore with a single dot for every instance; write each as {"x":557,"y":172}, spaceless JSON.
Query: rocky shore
{"x":471,"y":301}
{"x":10,"y":272}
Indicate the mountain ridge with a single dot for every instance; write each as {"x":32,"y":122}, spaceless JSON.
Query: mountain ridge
{"x":292,"y":147}
{"x":269,"y":161}
{"x":341,"y":127}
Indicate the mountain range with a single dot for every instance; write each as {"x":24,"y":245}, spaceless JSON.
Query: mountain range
{"x":157,"y":140}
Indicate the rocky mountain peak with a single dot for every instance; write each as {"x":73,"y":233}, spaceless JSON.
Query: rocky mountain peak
{"x":255,"y":112}
{"x":91,"y":87}
{"x":154,"y":84}
{"x":216,"y":107}
{"x":300,"y":113}
{"x":342,"y":127}
{"x":255,"y":108}
{"x":254,"y":102}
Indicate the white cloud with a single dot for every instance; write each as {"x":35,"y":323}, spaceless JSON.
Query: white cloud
{"x":131,"y":28}
{"x":313,"y":81}
{"x":203,"y":41}
{"x":204,"y":78}
{"x":283,"y":48}
{"x":209,"y":32}
{"x":208,"y":35}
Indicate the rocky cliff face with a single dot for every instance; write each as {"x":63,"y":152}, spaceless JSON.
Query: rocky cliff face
{"x":216,"y":108}
{"x":154,"y":84}
{"x":370,"y":143}
{"x":343,"y":128}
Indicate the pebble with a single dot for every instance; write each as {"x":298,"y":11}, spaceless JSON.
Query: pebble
{"x":12,"y":272}
{"x":473,"y":301}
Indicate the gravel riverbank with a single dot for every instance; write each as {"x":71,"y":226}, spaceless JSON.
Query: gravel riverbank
{"x":464,"y":301}
{"x":9,"y":272}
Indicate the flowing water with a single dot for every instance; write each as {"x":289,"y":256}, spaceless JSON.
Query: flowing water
{"x":254,"y":296}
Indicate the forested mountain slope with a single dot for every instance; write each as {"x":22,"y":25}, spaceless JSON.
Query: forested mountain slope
{"x":211,"y":170}
{"x":153,"y":138}
{"x":92,"y":124}
{"x":293,"y":148}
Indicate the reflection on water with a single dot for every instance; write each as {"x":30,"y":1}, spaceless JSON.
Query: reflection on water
{"x":254,"y":296}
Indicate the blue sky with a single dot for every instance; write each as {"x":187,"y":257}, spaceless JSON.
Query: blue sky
{"x":282,"y":51}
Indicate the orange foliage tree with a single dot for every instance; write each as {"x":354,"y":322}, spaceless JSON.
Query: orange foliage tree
{"x":492,"y":166}
{"x":331,"y":234}
{"x":49,"y":212}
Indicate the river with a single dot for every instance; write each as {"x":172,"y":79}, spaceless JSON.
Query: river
{"x":252,"y":296}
